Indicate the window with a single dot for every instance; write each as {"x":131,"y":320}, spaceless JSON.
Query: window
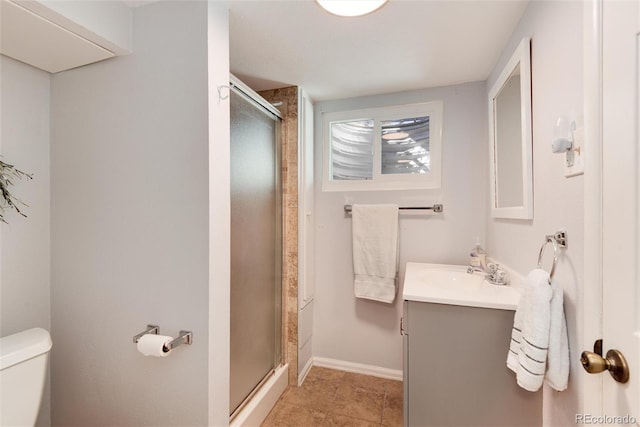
{"x":391,"y":148}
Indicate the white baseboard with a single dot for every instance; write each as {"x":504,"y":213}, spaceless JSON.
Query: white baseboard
{"x":305,"y":371}
{"x":358,"y":368}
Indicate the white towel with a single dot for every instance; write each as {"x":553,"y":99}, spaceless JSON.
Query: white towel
{"x":375,"y":251}
{"x":558,"y":358}
{"x":539,"y":344}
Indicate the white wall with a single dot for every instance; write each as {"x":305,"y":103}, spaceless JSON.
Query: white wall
{"x":25,"y":242}
{"x":130,"y":225}
{"x":556,"y":50}
{"x":219,"y":215}
{"x":306,"y":236}
{"x":367,"y":332}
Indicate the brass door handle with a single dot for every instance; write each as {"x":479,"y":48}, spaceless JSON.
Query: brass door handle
{"x":615,"y":363}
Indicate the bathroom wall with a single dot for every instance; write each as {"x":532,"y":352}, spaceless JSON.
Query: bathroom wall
{"x":25,"y":266}
{"x":555,"y":29}
{"x":366,"y":332}
{"x":306,"y":238}
{"x":219,"y":215}
{"x":130,"y":227}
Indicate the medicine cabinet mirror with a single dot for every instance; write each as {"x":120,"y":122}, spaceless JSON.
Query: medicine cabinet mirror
{"x":510,"y":138}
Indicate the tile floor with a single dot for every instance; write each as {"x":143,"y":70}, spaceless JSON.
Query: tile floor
{"x":335,"y":398}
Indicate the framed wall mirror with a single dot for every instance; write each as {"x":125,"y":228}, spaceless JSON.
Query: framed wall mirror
{"x":510,"y":139}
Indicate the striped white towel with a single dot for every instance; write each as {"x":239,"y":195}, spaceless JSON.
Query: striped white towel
{"x":530,"y":335}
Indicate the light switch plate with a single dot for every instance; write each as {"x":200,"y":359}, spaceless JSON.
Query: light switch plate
{"x":578,"y":155}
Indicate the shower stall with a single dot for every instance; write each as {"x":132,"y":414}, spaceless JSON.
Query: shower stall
{"x":256,"y":245}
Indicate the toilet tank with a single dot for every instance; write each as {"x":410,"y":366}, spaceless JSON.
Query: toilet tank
{"x":23,"y":368}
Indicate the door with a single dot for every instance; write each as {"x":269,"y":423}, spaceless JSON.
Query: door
{"x":255,"y":246}
{"x":620,"y":27}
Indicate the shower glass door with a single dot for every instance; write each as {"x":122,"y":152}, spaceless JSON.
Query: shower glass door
{"x":256,"y":247}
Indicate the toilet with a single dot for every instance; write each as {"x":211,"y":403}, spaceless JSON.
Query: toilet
{"x":23,"y":368}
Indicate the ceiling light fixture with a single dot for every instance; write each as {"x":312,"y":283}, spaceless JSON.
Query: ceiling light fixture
{"x":351,"y":7}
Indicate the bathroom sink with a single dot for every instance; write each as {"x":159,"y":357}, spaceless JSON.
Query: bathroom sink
{"x":451,"y":284}
{"x":448,"y":276}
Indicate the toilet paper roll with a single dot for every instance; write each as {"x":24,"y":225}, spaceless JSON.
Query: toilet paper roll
{"x":152,"y":345}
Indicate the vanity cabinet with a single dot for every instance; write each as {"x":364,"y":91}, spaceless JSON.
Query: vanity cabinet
{"x":455,"y":371}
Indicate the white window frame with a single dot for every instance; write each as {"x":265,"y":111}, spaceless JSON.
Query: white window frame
{"x":430,"y":180}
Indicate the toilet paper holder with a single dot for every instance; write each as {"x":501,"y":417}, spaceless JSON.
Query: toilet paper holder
{"x":184,"y":337}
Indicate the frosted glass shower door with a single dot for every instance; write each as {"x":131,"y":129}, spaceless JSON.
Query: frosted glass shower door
{"x":255,"y":247}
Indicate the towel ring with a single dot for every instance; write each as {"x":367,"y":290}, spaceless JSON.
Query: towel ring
{"x":552,"y":240}
{"x":559,"y":239}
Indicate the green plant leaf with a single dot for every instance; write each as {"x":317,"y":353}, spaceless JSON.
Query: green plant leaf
{"x":9,"y":201}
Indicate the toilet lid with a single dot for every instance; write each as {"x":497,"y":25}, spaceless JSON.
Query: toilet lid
{"x":23,"y":346}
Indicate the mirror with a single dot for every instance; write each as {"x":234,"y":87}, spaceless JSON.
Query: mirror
{"x":510,"y":138}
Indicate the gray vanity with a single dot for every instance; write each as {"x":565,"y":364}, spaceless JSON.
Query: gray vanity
{"x":457,"y":329}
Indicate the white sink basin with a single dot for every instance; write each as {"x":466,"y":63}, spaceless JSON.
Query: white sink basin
{"x":448,"y":276}
{"x":451,"y":284}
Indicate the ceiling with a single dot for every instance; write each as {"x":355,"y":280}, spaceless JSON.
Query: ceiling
{"x":406,"y":45}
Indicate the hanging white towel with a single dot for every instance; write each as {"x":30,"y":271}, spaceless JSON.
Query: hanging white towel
{"x":558,"y":358}
{"x":539,"y":343}
{"x":375,"y":251}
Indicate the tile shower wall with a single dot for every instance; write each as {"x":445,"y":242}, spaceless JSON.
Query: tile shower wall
{"x":289,"y":109}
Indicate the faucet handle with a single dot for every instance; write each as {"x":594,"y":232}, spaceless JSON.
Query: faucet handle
{"x":497,"y":276}
{"x":502,"y":276}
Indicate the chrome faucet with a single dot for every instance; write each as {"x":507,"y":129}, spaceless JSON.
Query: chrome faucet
{"x":496,"y":275}
{"x":471,"y":269}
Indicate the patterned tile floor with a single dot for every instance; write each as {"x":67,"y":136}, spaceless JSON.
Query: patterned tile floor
{"x":336,"y":398}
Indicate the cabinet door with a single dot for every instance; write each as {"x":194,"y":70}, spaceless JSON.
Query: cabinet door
{"x":455,"y":369}
{"x":37,"y":41}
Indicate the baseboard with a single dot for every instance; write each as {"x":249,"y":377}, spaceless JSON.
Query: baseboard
{"x":358,"y":368}
{"x":305,"y":371}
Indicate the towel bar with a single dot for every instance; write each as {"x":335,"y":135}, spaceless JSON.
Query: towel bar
{"x":436,"y":208}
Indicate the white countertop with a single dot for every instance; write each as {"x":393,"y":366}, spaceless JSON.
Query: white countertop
{"x":451,"y":284}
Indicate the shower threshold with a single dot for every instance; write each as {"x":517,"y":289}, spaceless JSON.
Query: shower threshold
{"x":258,"y":405}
